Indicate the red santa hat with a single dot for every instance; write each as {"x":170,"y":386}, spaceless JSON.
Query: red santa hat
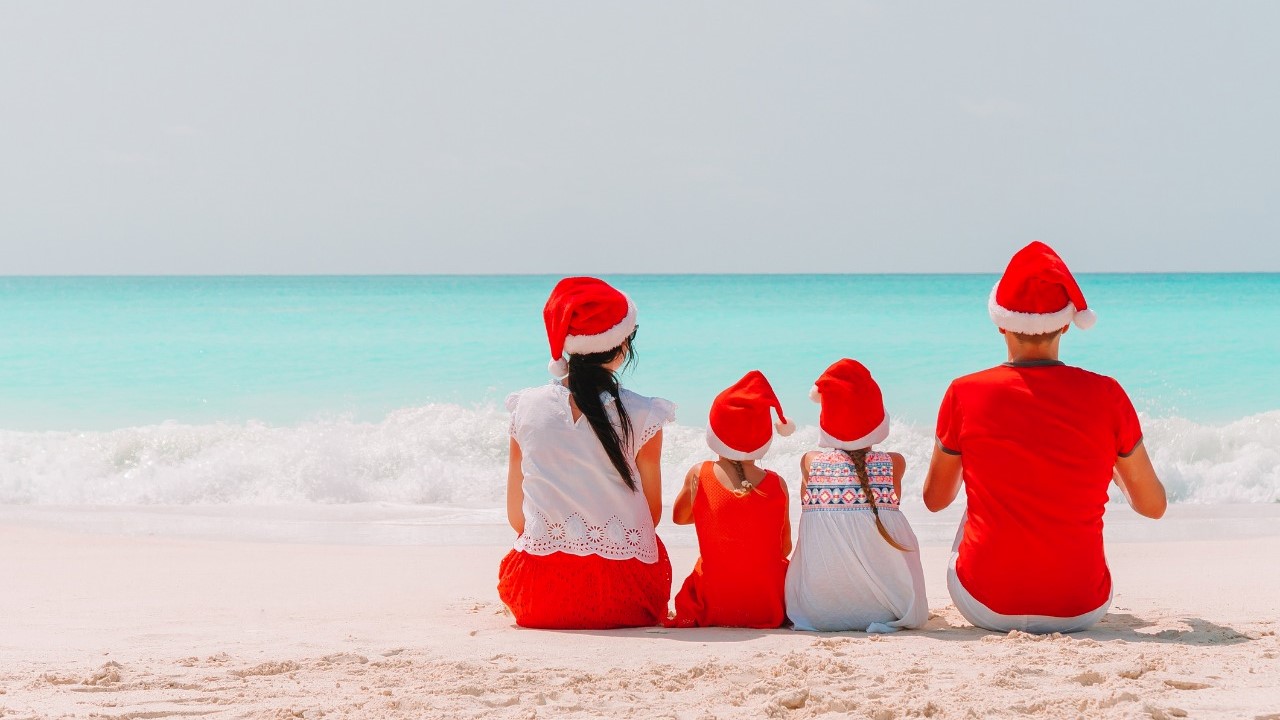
{"x":739,"y":426}
{"x":852,"y":415}
{"x":585,"y":315}
{"x":1037,"y":294}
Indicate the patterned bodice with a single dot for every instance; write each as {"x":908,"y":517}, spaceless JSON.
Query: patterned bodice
{"x":833,"y":483}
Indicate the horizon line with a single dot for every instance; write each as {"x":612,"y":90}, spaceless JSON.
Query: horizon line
{"x":91,"y":276}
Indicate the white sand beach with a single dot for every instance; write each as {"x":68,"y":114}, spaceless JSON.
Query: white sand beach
{"x":281,"y":283}
{"x":100,"y":623}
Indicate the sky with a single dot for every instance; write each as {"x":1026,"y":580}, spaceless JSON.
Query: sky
{"x":248,"y":137}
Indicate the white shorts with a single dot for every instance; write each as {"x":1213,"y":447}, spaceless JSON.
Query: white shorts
{"x":984,"y":617}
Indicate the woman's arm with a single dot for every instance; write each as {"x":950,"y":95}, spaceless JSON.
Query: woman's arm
{"x":1138,"y":481}
{"x":649,"y":463}
{"x":682,"y":509}
{"x":942,"y":483}
{"x":899,"y":469}
{"x":515,"y":489}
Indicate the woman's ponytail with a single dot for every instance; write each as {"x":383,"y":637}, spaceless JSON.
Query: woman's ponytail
{"x":589,"y":380}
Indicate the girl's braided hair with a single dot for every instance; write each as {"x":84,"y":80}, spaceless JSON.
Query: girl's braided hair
{"x":859,"y":459}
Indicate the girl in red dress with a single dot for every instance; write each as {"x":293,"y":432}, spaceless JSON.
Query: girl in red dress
{"x":740,"y":513}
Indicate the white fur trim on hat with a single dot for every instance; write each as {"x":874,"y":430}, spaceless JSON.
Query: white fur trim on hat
{"x":878,"y":435}
{"x":718,"y":447}
{"x":607,"y":340}
{"x":1031,"y":323}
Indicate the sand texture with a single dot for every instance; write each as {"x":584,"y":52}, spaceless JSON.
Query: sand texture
{"x":113,"y":626}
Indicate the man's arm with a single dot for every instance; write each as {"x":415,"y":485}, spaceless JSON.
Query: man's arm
{"x":1138,"y":481}
{"x":942,"y":483}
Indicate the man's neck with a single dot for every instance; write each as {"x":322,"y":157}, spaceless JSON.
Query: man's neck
{"x":1032,"y":357}
{"x":1020,"y":352}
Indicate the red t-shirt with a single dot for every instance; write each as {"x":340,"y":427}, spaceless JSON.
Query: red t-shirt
{"x":1038,"y":442}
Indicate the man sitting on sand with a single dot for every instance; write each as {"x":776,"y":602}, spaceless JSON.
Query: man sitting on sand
{"x":1036,"y":444}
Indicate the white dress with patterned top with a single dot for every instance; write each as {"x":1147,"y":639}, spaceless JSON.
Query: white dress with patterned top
{"x":843,"y":575}
{"x":574,"y":500}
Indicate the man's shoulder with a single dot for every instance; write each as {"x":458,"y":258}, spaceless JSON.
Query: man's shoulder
{"x":1088,"y":377}
{"x":989,"y":376}
{"x":1001,"y":374}
{"x":978,"y":376}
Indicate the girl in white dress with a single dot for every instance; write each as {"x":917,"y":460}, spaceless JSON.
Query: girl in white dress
{"x":857,"y":562}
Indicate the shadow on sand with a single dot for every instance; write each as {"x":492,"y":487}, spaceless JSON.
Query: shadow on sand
{"x":1123,"y":626}
{"x":1115,"y":626}
{"x":693,"y":635}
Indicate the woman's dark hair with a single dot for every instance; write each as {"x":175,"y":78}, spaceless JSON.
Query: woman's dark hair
{"x":588,"y":380}
{"x":859,"y":458}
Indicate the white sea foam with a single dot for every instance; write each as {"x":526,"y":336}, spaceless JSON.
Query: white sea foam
{"x":447,"y":455}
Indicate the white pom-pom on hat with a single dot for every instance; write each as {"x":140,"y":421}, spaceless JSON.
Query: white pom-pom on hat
{"x":1086,"y":318}
{"x":559,"y":369}
{"x":785,"y":429}
{"x":814,"y":395}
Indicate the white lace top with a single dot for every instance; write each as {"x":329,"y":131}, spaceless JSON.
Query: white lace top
{"x":574,"y":499}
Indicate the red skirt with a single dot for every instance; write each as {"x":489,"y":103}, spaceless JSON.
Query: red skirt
{"x":584,"y":592}
{"x":739,"y":599}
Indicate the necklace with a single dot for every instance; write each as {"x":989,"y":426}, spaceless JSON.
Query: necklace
{"x":742,"y":475}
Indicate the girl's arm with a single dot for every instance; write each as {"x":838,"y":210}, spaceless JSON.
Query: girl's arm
{"x":805,"y":459}
{"x":899,"y":469}
{"x":786,"y":518}
{"x":682,"y":509}
{"x":515,"y":489}
{"x":649,"y":463}
{"x":804,"y":470}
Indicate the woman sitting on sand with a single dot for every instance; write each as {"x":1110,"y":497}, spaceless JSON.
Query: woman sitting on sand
{"x":584,"y":484}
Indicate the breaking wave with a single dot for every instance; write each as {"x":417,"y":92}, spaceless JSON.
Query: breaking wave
{"x":451,"y":455}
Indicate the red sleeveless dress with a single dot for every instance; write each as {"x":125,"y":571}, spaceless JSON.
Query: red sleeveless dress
{"x":739,"y":579}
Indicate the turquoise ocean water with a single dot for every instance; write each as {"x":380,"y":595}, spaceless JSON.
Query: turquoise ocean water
{"x":345,"y":389}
